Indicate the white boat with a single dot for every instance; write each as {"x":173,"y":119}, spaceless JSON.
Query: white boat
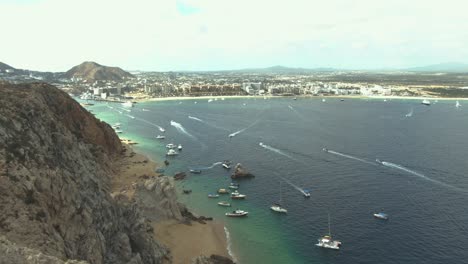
{"x":210,"y":100}
{"x":223,"y":203}
{"x":381,"y":215}
{"x":306,"y":193}
{"x":426,"y":102}
{"x":277,"y":206}
{"x":227,"y":164}
{"x":127,"y":104}
{"x":234,"y":186}
{"x":323,"y":100}
{"x":115,"y":127}
{"x":457,"y":104}
{"x":213,"y":195}
{"x":162,"y":129}
{"x":160,"y":137}
{"x":170,"y":146}
{"x":237,"y":213}
{"x":179,"y":147}
{"x":171,"y":152}
{"x":237,"y":195}
{"x":327,"y":241}
{"x":118,"y":131}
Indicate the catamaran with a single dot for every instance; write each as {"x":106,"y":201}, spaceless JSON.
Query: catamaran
{"x":327,"y":241}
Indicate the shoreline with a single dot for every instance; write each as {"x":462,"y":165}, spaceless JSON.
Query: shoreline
{"x":185,"y":241}
{"x":219,"y":97}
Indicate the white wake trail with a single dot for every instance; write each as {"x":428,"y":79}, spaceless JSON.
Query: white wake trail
{"x":294,"y":186}
{"x":196,"y":118}
{"x":276,"y":150}
{"x":399,"y":167}
{"x":244,"y":129}
{"x":349,"y":156}
{"x":181,"y":129}
{"x":209,"y":167}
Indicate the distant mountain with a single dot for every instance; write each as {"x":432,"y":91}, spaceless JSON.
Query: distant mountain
{"x":4,"y":66}
{"x":92,"y":71}
{"x":442,"y":67}
{"x":284,"y":69}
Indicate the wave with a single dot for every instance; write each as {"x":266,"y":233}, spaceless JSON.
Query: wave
{"x":399,"y":167}
{"x":181,"y":129}
{"x":229,"y":245}
{"x":349,"y":156}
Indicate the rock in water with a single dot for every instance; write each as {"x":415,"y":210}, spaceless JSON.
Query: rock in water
{"x":241,"y":172}
{"x":56,"y":165}
{"x":213,"y":259}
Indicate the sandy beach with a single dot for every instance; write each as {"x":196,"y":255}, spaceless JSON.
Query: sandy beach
{"x":189,"y":241}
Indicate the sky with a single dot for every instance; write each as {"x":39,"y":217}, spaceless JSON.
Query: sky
{"x":165,"y":35}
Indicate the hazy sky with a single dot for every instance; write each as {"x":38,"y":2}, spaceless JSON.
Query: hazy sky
{"x":230,"y":34}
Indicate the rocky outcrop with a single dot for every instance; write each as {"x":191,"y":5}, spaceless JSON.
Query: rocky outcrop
{"x":56,"y":161}
{"x":92,"y":71}
{"x":241,"y":172}
{"x":213,"y":259}
{"x":157,"y":199}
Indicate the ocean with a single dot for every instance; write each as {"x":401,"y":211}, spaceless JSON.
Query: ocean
{"x":420,"y":181}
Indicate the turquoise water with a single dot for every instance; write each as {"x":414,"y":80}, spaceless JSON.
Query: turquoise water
{"x":425,"y":192}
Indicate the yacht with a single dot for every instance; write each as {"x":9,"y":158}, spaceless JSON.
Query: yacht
{"x":237,"y":195}
{"x":277,"y":206}
{"x":171,"y":152}
{"x":160,"y":137}
{"x":237,"y":213}
{"x":213,"y":195}
{"x":223,"y":203}
{"x":170,"y":146}
{"x":127,"y":104}
{"x":179,"y":147}
{"x":381,"y":215}
{"x":426,"y":102}
{"x":223,"y":191}
{"x":327,"y":241}
{"x":118,"y":131}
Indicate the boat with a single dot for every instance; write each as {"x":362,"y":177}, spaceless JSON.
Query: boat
{"x":213,"y":195}
{"x":223,"y":191}
{"x":426,"y":102}
{"x":162,"y":129}
{"x":234,"y":186}
{"x":323,"y":100}
{"x":341,"y":100}
{"x":306,"y":193}
{"x":172,"y":152}
{"x":118,"y":131}
{"x":237,"y":195}
{"x":381,"y":215}
{"x":186,"y":191}
{"x":117,"y":124}
{"x":325,"y":150}
{"x":179,"y":147}
{"x":115,"y":127}
{"x":223,"y":203}
{"x":327,"y":240}
{"x":237,"y":213}
{"x":457,"y":104}
{"x":195,"y":171}
{"x":160,"y":137}
{"x":210,"y":100}
{"x":277,"y":206}
{"x":227,"y":164}
{"x":170,"y":146}
{"x":127,"y":104}
{"x":295,"y":98}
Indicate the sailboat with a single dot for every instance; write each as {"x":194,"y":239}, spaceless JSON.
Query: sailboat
{"x":277,"y":206}
{"x":327,"y":241}
{"x":457,"y":104}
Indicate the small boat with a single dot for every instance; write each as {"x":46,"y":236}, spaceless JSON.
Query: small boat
{"x":323,"y":100}
{"x":237,"y":195}
{"x":306,"y":193}
{"x":325,"y":150}
{"x":172,"y":152}
{"x":127,"y":104}
{"x":195,"y":171}
{"x":162,"y":129}
{"x":227,"y":164}
{"x":160,"y":137}
{"x":234,"y":186}
{"x":327,"y":241}
{"x":170,"y":146}
{"x":179,"y":147}
{"x":457,"y":104}
{"x":118,"y":131}
{"x":381,"y":215}
{"x":223,"y":203}
{"x":210,"y":100}
{"x":237,"y":213}
{"x":341,"y":100}
{"x":223,"y":191}
{"x":385,"y":100}
{"x":277,"y":206}
{"x":213,"y":195}
{"x":295,"y":98}
{"x":188,"y":191}
{"x":116,"y":127}
{"x":426,"y":102}
{"x":117,"y":124}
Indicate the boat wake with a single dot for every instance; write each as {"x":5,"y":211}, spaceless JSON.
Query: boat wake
{"x":244,"y":129}
{"x":206,"y":123}
{"x":132,"y":117}
{"x":410,"y":114}
{"x":294,"y":186}
{"x":349,"y":156}
{"x":150,"y":123}
{"x":196,"y":118}
{"x":276,"y":151}
{"x":181,"y":129}
{"x":209,"y":167}
{"x":401,"y":168}
{"x":297,"y":113}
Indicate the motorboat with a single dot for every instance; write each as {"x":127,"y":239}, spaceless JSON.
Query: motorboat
{"x":381,"y":215}
{"x":234,"y":186}
{"x":225,"y":204}
{"x":426,"y":102}
{"x":277,"y":208}
{"x":172,"y":152}
{"x":306,"y":193}
{"x":160,"y":137}
{"x":327,"y":240}
{"x":323,"y":100}
{"x":223,"y":191}
{"x":325,"y":150}
{"x":227,"y":164}
{"x":118,"y":131}
{"x":195,"y":171}
{"x":127,"y":104}
{"x":237,"y":213}
{"x":179,"y":147}
{"x":237,"y":195}
{"x":170,"y":146}
{"x":457,"y":104}
{"x":116,"y":127}
{"x":162,"y":129}
{"x":213,"y":195}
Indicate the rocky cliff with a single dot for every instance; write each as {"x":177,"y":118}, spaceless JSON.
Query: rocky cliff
{"x":92,"y":71}
{"x":56,"y":164}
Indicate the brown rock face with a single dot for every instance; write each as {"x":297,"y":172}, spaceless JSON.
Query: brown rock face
{"x":92,"y":71}
{"x":241,"y":172}
{"x":55,"y":170}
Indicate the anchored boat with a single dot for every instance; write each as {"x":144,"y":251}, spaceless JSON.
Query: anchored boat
{"x":237,"y":213}
{"x":327,"y":241}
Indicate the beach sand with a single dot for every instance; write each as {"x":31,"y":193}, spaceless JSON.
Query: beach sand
{"x":189,"y":241}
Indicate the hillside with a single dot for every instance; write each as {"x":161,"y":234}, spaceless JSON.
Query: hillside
{"x":92,"y":71}
{"x":4,"y":66}
{"x":442,"y":67}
